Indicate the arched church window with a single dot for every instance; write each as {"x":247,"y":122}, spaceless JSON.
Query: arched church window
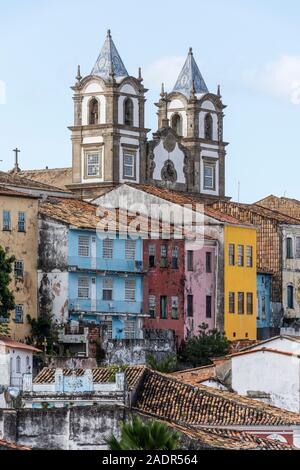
{"x":208,"y":127}
{"x":93,"y":112}
{"x":128,"y":112}
{"x":176,"y":124}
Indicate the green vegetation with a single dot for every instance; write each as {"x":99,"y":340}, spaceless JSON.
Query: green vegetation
{"x":165,"y":366}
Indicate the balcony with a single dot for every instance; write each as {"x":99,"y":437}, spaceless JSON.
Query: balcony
{"x":77,"y":263}
{"x":105,"y":307}
{"x":73,"y":335}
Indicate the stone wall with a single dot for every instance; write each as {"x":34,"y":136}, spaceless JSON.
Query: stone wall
{"x":84,"y":428}
{"x":158,"y":343}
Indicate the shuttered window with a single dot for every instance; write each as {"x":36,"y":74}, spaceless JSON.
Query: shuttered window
{"x":231,"y":255}
{"x":130,"y":286}
{"x":152,"y":306}
{"x":6,"y":220}
{"x":130,"y":249}
{"x":249,"y":303}
{"x":231,"y":302}
{"x":175,"y":308}
{"x":107,"y":293}
{"x":240,"y":255}
{"x":249,"y":255}
{"x":19,"y":269}
{"x":108,"y":245}
{"x":241,"y":303}
{"x":83,"y":246}
{"x":21,"y":222}
{"x":83,"y":288}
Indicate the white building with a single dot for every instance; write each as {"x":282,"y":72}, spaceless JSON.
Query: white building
{"x":15,"y":362}
{"x":269,"y":372}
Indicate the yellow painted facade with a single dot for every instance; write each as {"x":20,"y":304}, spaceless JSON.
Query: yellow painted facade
{"x":240,"y":289}
{"x":24,"y":246}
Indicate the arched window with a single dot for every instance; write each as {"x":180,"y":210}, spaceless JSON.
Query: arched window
{"x":128,"y":112}
{"x":290,"y":297}
{"x":176,"y":124}
{"x":93,"y":112}
{"x":208,"y":127}
{"x":289,"y":248}
{"x":18,"y":365}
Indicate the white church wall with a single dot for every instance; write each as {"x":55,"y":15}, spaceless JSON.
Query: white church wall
{"x":161,"y":155}
{"x":208,"y":105}
{"x":85,"y":109}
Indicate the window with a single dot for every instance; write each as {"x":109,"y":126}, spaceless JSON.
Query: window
{"x":241,"y":302}
{"x":151,"y":251}
{"x":19,"y":314}
{"x":208,"y":306}
{"x":208,"y":262}
{"x":128,"y":165}
{"x":240,"y":255}
{"x":298,"y":247}
{"x":174,"y":308}
{"x":107,"y":293}
{"x":130,"y":285}
{"x":28,"y":364}
{"x":130,"y":249}
{"x":18,"y":365}
{"x":6,"y":220}
{"x":249,"y":303}
{"x":19,"y":269}
{"x":128,"y":112}
{"x":208,"y":127}
{"x":83,"y":288}
{"x":231,"y":255}
{"x":163,"y":307}
{"x":190,"y":260}
{"x":263,"y":308}
{"x":107,"y":248}
{"x":209,"y":176}
{"x":190,"y":306}
{"x":231,"y":302}
{"x":249,"y":255}
{"x":163,"y":256}
{"x":290,"y":297}
{"x":94,"y":112}
{"x":289,"y":248}
{"x":176,"y":124}
{"x":21,"y":222}
{"x":152,"y":306}
{"x":175,"y":257}
{"x":83,"y":246}
{"x":93,"y":165}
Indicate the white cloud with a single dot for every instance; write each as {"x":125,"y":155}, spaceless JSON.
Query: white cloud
{"x":280,"y":78}
{"x":164,"y":70}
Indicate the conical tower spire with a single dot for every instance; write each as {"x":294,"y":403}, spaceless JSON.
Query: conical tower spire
{"x":109,"y":63}
{"x":190,"y":79}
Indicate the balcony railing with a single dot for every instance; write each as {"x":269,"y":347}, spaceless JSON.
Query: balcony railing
{"x":100,"y":264}
{"x":105,"y":307}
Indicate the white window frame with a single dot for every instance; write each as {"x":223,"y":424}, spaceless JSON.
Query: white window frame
{"x":130,"y":290}
{"x":212,"y":177}
{"x":108,"y":285}
{"x":107,"y":248}
{"x":84,"y":287}
{"x":19,"y":267}
{"x":97,"y":165}
{"x":84,"y":243}
{"x":130,"y":249}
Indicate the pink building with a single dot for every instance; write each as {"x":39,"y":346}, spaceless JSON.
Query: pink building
{"x":200,"y":285}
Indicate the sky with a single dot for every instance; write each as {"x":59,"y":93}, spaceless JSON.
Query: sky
{"x":250,"y":47}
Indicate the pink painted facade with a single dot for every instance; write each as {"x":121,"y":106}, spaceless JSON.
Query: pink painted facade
{"x":200,"y":286}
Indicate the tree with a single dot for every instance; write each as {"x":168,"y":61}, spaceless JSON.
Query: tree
{"x":7,"y":300}
{"x":42,"y":328}
{"x":166,"y":365}
{"x":199,"y":350}
{"x":149,"y":435}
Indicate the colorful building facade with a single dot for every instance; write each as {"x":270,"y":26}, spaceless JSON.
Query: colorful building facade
{"x":19,"y":238}
{"x":240,"y":298}
{"x":264,"y":318}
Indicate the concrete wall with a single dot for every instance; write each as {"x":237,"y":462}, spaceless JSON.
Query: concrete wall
{"x":291,"y":272}
{"x":75,"y":429}
{"x":256,"y":375}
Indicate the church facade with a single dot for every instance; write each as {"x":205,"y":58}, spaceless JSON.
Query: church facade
{"x":110,"y":143}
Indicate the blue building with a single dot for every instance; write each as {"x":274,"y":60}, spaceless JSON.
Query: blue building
{"x":265,"y":327}
{"x":88,"y":278}
{"x":106,"y":282}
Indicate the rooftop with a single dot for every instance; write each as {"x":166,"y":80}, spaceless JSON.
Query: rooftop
{"x":4,"y":445}
{"x":109,"y":62}
{"x":58,"y":177}
{"x":14,"y":180}
{"x":190,"y":79}
{"x":9,"y":343}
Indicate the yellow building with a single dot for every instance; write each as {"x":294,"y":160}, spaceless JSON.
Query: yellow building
{"x":19,"y":237}
{"x":240,"y":282}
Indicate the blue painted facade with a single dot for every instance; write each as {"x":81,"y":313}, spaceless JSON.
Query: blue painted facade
{"x":264,"y":325}
{"x":92,"y":272}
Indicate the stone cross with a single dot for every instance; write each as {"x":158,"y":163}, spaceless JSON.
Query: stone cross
{"x":17,"y":151}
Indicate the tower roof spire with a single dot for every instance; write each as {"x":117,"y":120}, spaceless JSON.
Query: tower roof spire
{"x":190,"y":79}
{"x":109,"y":63}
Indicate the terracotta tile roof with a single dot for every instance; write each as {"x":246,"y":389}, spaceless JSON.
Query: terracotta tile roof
{"x":183,"y":199}
{"x":267,"y":350}
{"x":15,"y":180}
{"x":17,"y":345}
{"x":58,"y":177}
{"x":168,"y":398}
{"x":100,"y":375}
{"x":195,"y":376}
{"x":12,"y":193}
{"x":4,"y":445}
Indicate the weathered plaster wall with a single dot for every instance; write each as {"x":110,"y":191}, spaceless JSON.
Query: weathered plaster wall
{"x":22,"y":245}
{"x":291,"y":272}
{"x":53,"y":277}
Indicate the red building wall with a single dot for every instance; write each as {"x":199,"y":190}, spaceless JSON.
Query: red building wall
{"x":167,"y":282}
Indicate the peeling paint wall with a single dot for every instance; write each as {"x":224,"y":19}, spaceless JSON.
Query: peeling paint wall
{"x":53,"y":276}
{"x":291,"y":273}
{"x":24,"y":246}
